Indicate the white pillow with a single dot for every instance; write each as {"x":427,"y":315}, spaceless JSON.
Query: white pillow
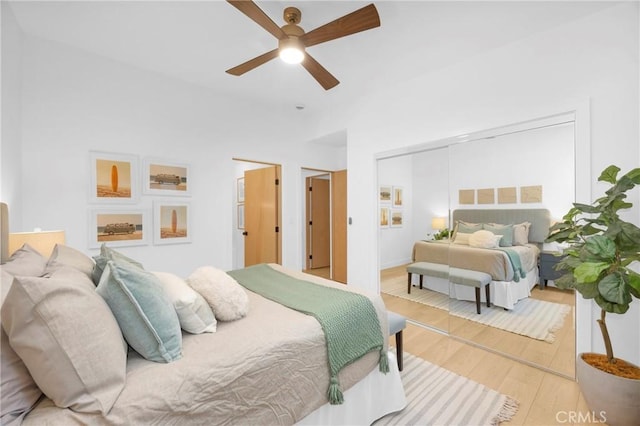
{"x":226,"y":297}
{"x":194,"y":313}
{"x":521,"y":233}
{"x":461,"y":238}
{"x":484,"y":239}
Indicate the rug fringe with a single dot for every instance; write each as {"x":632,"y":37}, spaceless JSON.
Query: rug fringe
{"x":508,"y":410}
{"x":551,"y":337}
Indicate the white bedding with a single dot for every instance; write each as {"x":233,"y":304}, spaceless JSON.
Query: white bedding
{"x":270,"y":367}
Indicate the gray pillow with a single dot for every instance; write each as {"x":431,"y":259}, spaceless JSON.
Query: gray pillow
{"x":19,"y":391}
{"x":26,"y":261}
{"x":66,"y":256}
{"x":144,"y":312}
{"x":68,"y":339}
{"x":505,"y":230}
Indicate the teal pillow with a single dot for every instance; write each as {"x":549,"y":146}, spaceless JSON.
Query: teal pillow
{"x":505,"y":230}
{"x":107,"y":254}
{"x":143,"y":310}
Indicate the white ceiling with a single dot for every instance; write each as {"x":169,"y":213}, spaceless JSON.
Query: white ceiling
{"x":196,"y":41}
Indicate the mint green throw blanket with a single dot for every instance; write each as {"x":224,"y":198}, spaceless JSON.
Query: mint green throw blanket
{"x":516,"y":263}
{"x":349,"y":320}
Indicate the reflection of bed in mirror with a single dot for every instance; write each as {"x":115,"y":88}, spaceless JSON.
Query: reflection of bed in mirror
{"x":513,"y":267}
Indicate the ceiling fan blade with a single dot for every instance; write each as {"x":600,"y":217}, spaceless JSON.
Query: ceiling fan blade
{"x":253,"y":63}
{"x":319,"y":72}
{"x":360,"y":20}
{"x":256,"y":14}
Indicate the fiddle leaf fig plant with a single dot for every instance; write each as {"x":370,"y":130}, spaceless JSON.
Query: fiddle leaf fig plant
{"x":601,"y":248}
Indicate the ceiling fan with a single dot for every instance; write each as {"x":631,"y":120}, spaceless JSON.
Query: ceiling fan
{"x":292,"y":40}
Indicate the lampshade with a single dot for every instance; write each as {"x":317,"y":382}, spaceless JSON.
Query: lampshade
{"x":42,"y":241}
{"x":291,"y":50}
{"x":439,"y":223}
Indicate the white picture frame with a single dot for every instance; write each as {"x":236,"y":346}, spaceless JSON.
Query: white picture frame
{"x":384,"y":194}
{"x":397,"y":219}
{"x":172,"y":222}
{"x":165,"y":177}
{"x":114,"y":178}
{"x":118,"y":227}
{"x":397,"y":200}
{"x":385,"y":217}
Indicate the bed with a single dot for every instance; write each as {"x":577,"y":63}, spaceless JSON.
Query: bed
{"x":268,"y":366}
{"x":513,"y":268}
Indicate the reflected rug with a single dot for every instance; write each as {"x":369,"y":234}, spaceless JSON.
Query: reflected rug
{"x":533,"y":318}
{"x":436,"y":396}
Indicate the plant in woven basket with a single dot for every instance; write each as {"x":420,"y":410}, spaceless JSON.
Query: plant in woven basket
{"x":601,"y":248}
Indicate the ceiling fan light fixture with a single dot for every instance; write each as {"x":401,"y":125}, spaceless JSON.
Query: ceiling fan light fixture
{"x":291,"y":50}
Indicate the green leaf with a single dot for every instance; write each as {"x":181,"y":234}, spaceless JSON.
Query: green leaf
{"x":601,"y":247}
{"x":633,"y":279}
{"x":628,"y":237}
{"x":589,"y":272}
{"x":610,"y":174}
{"x":614,"y":289}
{"x":586,"y":208}
{"x":611,"y":307}
{"x":634,"y":175}
{"x":587,"y":290}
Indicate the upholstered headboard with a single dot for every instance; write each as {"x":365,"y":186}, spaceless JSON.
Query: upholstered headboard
{"x":540,"y":219}
{"x":4,"y":232}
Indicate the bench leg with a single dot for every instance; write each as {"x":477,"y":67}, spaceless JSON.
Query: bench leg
{"x":421,"y":281}
{"x":488,"y":294}
{"x":478,"y":299}
{"x":399,"y":349}
{"x":409,"y":284}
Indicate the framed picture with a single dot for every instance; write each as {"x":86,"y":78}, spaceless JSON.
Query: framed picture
{"x":397,"y":197}
{"x":117,"y":227}
{"x":385,"y":218}
{"x":240,"y":190}
{"x":171,"y":222}
{"x":384,"y":194}
{"x":114,"y":177}
{"x":396,"y":218}
{"x":162,"y":177}
{"x":240,"y":216}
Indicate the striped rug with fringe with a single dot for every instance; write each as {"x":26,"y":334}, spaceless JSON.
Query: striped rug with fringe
{"x":436,"y":396}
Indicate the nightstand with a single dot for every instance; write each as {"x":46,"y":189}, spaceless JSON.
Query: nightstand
{"x":548,"y":260}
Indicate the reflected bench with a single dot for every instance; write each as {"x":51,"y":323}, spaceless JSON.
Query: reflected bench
{"x":460,"y":276}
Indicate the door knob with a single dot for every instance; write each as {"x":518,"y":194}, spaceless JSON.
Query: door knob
{"x":245,"y":233}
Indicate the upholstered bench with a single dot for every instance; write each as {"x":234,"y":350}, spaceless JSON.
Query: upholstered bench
{"x":472,"y":279}
{"x":460,"y":276}
{"x":397,"y":323}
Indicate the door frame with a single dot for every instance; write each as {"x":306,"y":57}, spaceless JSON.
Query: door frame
{"x":238,"y":238}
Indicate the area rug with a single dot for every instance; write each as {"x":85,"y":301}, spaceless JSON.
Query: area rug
{"x":436,"y":396}
{"x":533,"y":318}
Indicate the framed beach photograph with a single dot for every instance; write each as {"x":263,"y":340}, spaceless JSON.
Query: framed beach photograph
{"x":171,"y":222}
{"x":240,"y":216}
{"x":114,"y":177}
{"x":240,"y":190}
{"x":397,"y":197}
{"x":384,"y":194}
{"x":396,"y":218}
{"x":117,"y":227}
{"x":162,"y":177}
{"x":385,"y":217}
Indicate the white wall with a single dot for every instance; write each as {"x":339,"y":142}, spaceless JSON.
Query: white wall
{"x":592,"y":60}
{"x":10,"y":153}
{"x":74,"y":102}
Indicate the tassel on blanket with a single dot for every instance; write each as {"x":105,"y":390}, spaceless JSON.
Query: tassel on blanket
{"x":384,"y":361}
{"x":335,"y":393}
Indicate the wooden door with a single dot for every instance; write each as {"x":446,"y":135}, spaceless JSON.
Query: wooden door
{"x":261,"y":216}
{"x":318,"y":223}
{"x":339,"y":225}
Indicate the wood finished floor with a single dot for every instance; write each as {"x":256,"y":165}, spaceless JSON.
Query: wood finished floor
{"x":545,"y":398}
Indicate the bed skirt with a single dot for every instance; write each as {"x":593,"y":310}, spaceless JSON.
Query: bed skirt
{"x":373,"y":397}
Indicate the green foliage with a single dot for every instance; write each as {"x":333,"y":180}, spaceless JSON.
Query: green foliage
{"x":602,"y":246}
{"x":441,"y":235}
